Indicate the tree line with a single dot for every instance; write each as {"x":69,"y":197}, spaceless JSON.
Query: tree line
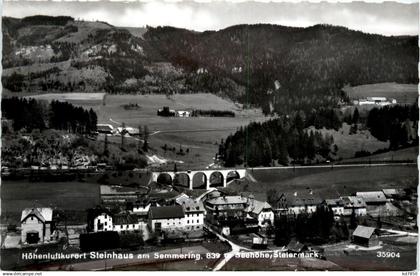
{"x":283,"y":140}
{"x":397,"y":123}
{"x":32,"y":114}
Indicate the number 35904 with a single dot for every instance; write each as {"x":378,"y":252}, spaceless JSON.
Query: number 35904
{"x":387,"y":254}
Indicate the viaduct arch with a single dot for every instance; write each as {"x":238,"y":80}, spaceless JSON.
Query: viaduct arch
{"x":226,"y":175}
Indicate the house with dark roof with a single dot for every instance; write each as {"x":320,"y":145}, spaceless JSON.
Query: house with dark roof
{"x":261,"y":211}
{"x":365,"y":236}
{"x":105,"y":128}
{"x":37,"y":225}
{"x":298,"y":202}
{"x":126,"y":222}
{"x":354,"y":204}
{"x":166,"y":218}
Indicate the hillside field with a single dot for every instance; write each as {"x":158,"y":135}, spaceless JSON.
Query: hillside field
{"x":403,"y":93}
{"x":200,"y":135}
{"x":329,"y":182}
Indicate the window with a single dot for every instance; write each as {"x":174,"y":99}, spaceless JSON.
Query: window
{"x":188,"y":221}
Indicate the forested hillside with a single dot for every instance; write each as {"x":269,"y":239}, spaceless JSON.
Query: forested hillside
{"x":274,"y":67}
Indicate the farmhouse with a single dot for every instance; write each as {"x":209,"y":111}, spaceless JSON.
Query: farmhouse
{"x":166,"y":112}
{"x":373,"y":198}
{"x":261,"y":211}
{"x":37,"y":225}
{"x":382,"y":101}
{"x":128,"y":130}
{"x":365,"y":236}
{"x":105,"y":128}
{"x":354,"y":204}
{"x":183,"y":113}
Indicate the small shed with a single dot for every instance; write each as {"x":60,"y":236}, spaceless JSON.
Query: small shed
{"x":295,"y":246}
{"x":365,"y":236}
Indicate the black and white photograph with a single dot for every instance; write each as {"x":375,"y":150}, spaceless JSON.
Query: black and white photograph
{"x":209,"y":136}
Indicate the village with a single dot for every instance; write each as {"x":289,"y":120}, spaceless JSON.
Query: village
{"x":158,"y":216}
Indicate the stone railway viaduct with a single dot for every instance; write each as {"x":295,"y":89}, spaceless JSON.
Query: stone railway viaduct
{"x":225,"y":175}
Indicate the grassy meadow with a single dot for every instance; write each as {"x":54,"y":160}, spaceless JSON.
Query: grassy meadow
{"x":329,"y":182}
{"x":403,"y":93}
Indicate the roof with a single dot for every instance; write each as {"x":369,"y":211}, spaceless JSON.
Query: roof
{"x":364,"y":231}
{"x":296,"y":246}
{"x":93,"y":213}
{"x":376,"y":196}
{"x":164,"y":195}
{"x":104,"y":127}
{"x":392,"y":192}
{"x":257,"y":206}
{"x":353,"y":202}
{"x":121,"y":219}
{"x":166,"y":212}
{"x":334,"y":202}
{"x":190,"y":205}
{"x":223,"y":200}
{"x":303,"y":199}
{"x":44,"y":214}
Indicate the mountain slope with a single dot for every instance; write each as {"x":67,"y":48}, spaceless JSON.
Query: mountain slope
{"x":275,"y":67}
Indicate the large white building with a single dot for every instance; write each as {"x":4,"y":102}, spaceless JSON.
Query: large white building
{"x":194,"y":213}
{"x":103,"y":222}
{"x":166,"y":218}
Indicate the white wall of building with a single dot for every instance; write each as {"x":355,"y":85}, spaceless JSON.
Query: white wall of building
{"x":102,"y":222}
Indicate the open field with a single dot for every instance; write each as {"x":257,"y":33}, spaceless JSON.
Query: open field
{"x":199,"y":134}
{"x":279,"y":264}
{"x":348,"y":144}
{"x":75,"y":98}
{"x":403,"y":93}
{"x":368,"y":260}
{"x":75,"y":197}
{"x":406,"y":154}
{"x":327,"y":182}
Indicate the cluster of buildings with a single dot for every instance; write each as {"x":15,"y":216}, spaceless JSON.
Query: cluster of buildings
{"x":381,"y":101}
{"x":167,"y":214}
{"x":109,"y":129}
{"x":166,"y":112}
{"x":374,"y":203}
